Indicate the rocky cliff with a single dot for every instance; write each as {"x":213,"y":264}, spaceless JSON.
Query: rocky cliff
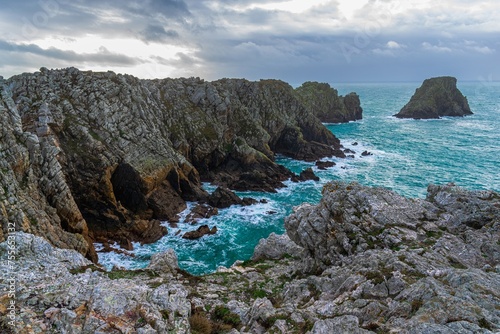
{"x":435,"y":98}
{"x":94,"y":156}
{"x":364,"y":260}
{"x":324,"y":102}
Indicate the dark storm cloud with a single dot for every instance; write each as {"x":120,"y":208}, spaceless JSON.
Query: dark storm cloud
{"x":157,"y":33}
{"x":38,"y":18}
{"x":104,"y":56}
{"x":381,"y":40}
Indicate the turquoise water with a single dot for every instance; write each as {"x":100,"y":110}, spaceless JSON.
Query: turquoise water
{"x":407,"y":156}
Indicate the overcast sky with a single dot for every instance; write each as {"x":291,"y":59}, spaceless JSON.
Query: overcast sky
{"x":292,"y":40}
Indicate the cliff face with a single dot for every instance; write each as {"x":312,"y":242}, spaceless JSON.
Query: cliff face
{"x":90,"y":156}
{"x":364,"y":260}
{"x":324,"y":102}
{"x":435,"y":98}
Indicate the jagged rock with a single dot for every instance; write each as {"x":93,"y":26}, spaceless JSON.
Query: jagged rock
{"x":324,"y":102}
{"x":323,"y":165}
{"x":396,"y":265}
{"x":201,"y":211}
{"x":164,"y":262}
{"x":275,"y":247}
{"x":308,"y":174}
{"x":342,"y":324}
{"x":349,"y":151}
{"x":260,"y":313}
{"x":223,"y":198}
{"x":86,"y":299}
{"x":370,"y":243}
{"x":435,"y":98}
{"x":366,"y":153}
{"x":86,"y":155}
{"x":356,"y":218}
{"x":201,"y":231}
{"x":248,"y":201}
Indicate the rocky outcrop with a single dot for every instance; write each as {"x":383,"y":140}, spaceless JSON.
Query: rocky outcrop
{"x":364,"y":260}
{"x":58,"y":291}
{"x":34,"y":194}
{"x":324,"y":165}
{"x":199,"y":232}
{"x":224,"y":198}
{"x":324,"y":102}
{"x":436,"y":97}
{"x":88,"y":156}
{"x":307,"y":175}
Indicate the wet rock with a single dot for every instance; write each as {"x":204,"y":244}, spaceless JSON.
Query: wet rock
{"x":201,"y":231}
{"x":366,"y":153}
{"x":308,"y":174}
{"x":223,"y":198}
{"x":323,"y":165}
{"x":349,"y":151}
{"x":201,"y":211}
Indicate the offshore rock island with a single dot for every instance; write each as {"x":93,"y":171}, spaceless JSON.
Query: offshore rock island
{"x":436,"y":97}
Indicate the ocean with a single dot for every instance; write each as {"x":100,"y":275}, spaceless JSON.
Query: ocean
{"x":406,"y":155}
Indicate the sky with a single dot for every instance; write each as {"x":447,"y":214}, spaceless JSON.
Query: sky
{"x":291,"y":40}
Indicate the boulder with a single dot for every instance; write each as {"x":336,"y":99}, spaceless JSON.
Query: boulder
{"x":436,"y":97}
{"x":275,"y":247}
{"x":164,"y":262}
{"x":223,"y":198}
{"x":201,"y":211}
{"x":323,"y":165}
{"x":308,"y":174}
{"x":201,"y":231}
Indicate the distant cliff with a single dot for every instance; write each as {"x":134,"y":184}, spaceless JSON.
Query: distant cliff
{"x":93,"y":156}
{"x":435,"y":98}
{"x":325,"y":102}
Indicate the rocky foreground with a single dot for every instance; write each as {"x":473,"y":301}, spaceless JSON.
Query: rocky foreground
{"x":364,"y":260}
{"x":436,"y":97}
{"x":95,"y":157}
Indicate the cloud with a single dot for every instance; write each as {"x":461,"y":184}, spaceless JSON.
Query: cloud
{"x":103,"y":56}
{"x":435,"y":48}
{"x":157,"y":33}
{"x":394,"y":45}
{"x":254,"y":38}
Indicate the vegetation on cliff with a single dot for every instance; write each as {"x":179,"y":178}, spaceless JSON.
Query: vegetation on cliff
{"x":324,"y":102}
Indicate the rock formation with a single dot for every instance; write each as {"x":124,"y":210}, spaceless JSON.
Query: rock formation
{"x":324,"y":102}
{"x":435,"y":98}
{"x":307,"y":175}
{"x":199,"y":232}
{"x":87,"y":156}
{"x":364,"y":260}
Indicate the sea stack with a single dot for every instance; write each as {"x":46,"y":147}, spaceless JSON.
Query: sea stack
{"x":325,"y":103}
{"x":436,"y":97}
